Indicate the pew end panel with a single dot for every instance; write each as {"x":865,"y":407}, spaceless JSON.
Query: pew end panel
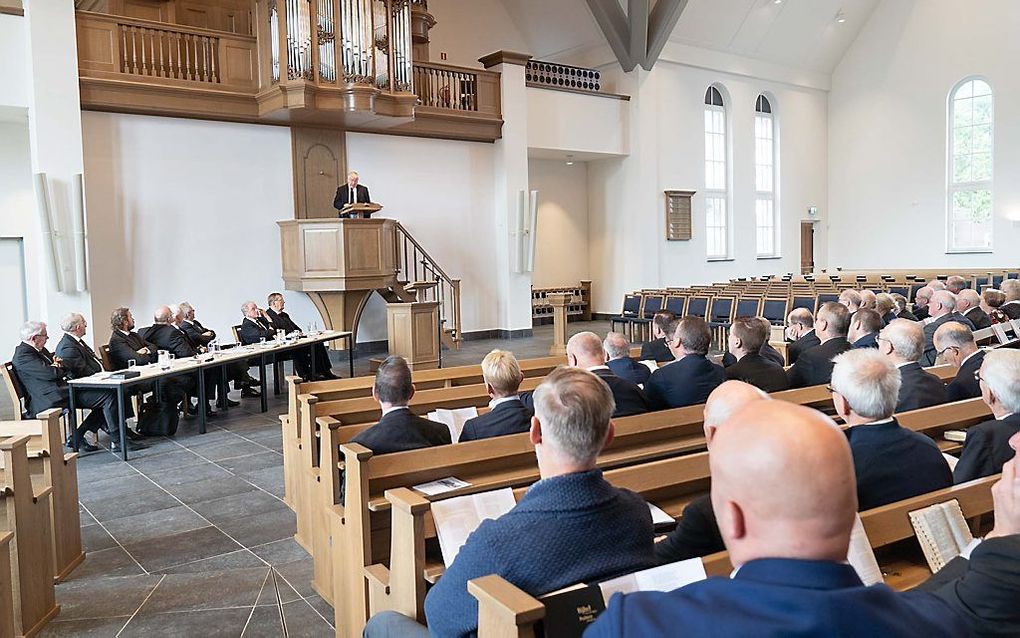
{"x":324,"y":501}
{"x":352,"y":543}
{"x":504,"y":611}
{"x":6,"y":586}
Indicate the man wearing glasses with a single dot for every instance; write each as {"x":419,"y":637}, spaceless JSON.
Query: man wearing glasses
{"x":955,"y":344}
{"x":986,"y":448}
{"x":902,"y":342}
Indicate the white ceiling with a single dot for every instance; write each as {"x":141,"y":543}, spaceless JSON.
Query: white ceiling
{"x":802,"y":34}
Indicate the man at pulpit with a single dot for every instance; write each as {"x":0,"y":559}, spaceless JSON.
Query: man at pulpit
{"x":351,"y":193}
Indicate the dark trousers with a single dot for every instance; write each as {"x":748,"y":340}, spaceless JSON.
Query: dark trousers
{"x":322,"y":362}
{"x":102,"y":405}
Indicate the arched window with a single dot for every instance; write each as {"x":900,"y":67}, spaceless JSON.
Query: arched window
{"x":716,"y":176}
{"x":969,"y":201}
{"x":765,"y":179}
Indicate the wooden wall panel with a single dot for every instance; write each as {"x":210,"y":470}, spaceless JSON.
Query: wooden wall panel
{"x":320,"y":167}
{"x":97,"y":47}
{"x":157,"y":10}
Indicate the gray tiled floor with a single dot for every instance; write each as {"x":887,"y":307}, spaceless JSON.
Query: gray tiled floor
{"x":191,"y":537}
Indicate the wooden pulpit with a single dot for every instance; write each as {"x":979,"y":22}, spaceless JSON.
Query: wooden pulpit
{"x":360,"y":211}
{"x":559,"y":301}
{"x":413,"y":331}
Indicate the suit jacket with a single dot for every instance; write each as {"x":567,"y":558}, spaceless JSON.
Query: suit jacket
{"x":166,"y":337}
{"x":919,"y":389}
{"x":1011,"y":309}
{"x":124,"y":348}
{"x":889,"y":317}
{"x":401,"y":430}
{"x":766,"y":351}
{"x":45,"y":386}
{"x":759,"y":371}
{"x":343,"y":196}
{"x":776,"y":597}
{"x":893,"y":463}
{"x":906,"y":314}
{"x":656,"y":349}
{"x":814,"y":367}
{"x":629,"y":398}
{"x":696,"y":534}
{"x":196,"y":333}
{"x":869,"y":340}
{"x":509,"y":417}
{"x":920,"y":314}
{"x":930,"y":353}
{"x":282,"y":321}
{"x":629,"y":370}
{"x":79,"y":359}
{"x":978,"y":317}
{"x":687,"y":381}
{"x":800,"y":346}
{"x":251,"y":331}
{"x":965,"y":386}
{"x":986,"y":448}
{"x":983,"y":590}
{"x":589,"y":531}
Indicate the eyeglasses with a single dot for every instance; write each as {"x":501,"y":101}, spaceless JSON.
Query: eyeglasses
{"x":977,"y":375}
{"x":943,"y":350}
{"x":830,"y":388}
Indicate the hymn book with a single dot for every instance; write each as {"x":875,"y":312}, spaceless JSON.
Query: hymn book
{"x":861,"y":556}
{"x":457,"y":517}
{"x":659,"y":517}
{"x":942,"y":532}
{"x":453,"y":419}
{"x":950,"y":460}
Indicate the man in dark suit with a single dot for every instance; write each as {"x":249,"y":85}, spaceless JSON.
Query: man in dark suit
{"x":351,"y":193}
{"x":280,"y":320}
{"x":691,"y":377}
{"x":44,"y":378}
{"x":507,"y":414}
{"x":901,"y":307}
{"x":165,"y":335}
{"x":864,"y":327}
{"x":621,"y":363}
{"x":697,"y":533}
{"x":747,"y":335}
{"x":766,"y":351}
{"x":921,"y":299}
{"x":584,"y":350}
{"x":399,"y":429}
{"x":571,"y":526}
{"x":885,"y":306}
{"x":851,"y":299}
{"x":814,"y":367}
{"x":800,"y":333}
{"x":891,"y":462}
{"x":955,"y":342}
{"x":941,"y":308}
{"x":903,"y":341}
{"x":968,"y":303}
{"x":657,"y":349}
{"x":987,"y":446}
{"x":201,"y":336}
{"x":1011,"y":307}
{"x":789,"y":546}
{"x":257,"y":326}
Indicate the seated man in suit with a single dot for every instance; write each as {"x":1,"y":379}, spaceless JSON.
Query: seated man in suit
{"x":1011,"y":307}
{"x":691,"y":377}
{"x":986,"y":447}
{"x":746,"y":338}
{"x":165,"y":335}
{"x":864,"y":327}
{"x":955,"y":284}
{"x":902,"y":341}
{"x":941,"y":308}
{"x":696,"y":533}
{"x":782,"y":490}
{"x":885,"y":306}
{"x":620,"y":362}
{"x":814,"y":367}
{"x":868,"y":299}
{"x":202,"y":337}
{"x":921,"y":299}
{"x":991,"y":303}
{"x":44,"y":378}
{"x":851,"y":299}
{"x":891,"y":462}
{"x":506,"y":415}
{"x":571,"y":526}
{"x":584,"y":350}
{"x":212,"y":375}
{"x":800,"y":333}
{"x":351,"y":193}
{"x":968,"y":303}
{"x":936,"y":285}
{"x":901,"y":307}
{"x":955,"y":343}
{"x":399,"y":429}
{"x":981,"y":583}
{"x":766,"y":351}
{"x":256,"y":327}
{"x":657,"y":349}
{"x":280,"y":320}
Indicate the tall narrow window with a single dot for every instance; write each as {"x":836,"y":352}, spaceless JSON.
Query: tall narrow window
{"x":716,"y":176}
{"x":971,"y":124}
{"x":765,"y":179}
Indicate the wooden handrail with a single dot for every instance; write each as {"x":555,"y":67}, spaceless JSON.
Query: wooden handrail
{"x":447,"y":293}
{"x":165,"y":26}
{"x":439,"y":271}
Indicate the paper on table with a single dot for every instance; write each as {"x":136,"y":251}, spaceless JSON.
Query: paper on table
{"x":951,"y":460}
{"x":862,"y":557}
{"x":457,"y":517}
{"x":662,"y":578}
{"x":441,"y":486}
{"x":454,"y":419}
{"x":651,"y":364}
{"x":660,"y":517}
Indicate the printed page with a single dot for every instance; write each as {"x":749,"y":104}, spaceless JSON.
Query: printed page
{"x":457,"y":517}
{"x":660,"y":517}
{"x":862,"y":557}
{"x":662,"y":578}
{"x":951,"y":460}
{"x":441,"y":486}
{"x":454,"y":419}
{"x":935,"y":536}
{"x":957,"y":523}
{"x":651,"y":364}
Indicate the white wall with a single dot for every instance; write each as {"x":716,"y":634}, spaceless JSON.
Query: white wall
{"x":14,"y":81}
{"x":468,"y":30}
{"x":562,"y":121}
{"x":887,"y":135}
{"x":561,"y":248}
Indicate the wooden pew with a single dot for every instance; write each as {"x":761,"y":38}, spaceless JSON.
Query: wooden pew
{"x":55,"y":469}
{"x":6,"y":586}
{"x":26,"y":514}
{"x":504,"y":611}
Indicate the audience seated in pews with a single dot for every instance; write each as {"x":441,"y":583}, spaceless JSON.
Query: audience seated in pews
{"x":399,"y":429}
{"x":814,"y":365}
{"x":864,"y":327}
{"x":697,"y":533}
{"x":571,"y":526}
{"x":658,"y":349}
{"x":955,"y":343}
{"x":746,"y":338}
{"x":584,"y":350}
{"x":941,"y":309}
{"x":1011,"y":306}
{"x":766,"y":350}
{"x":986,"y":447}
{"x":885,"y":306}
{"x":256,"y":327}
{"x":921,"y":299}
{"x":851,"y":299}
{"x":782,"y":491}
{"x":903,"y":342}
{"x":902,"y":312}
{"x":507,"y":414}
{"x":968,"y":303}
{"x":691,"y":377}
{"x":280,"y":320}
{"x":800,"y":333}
{"x":891,"y":462}
{"x":621,"y":363}
{"x":955,"y":284}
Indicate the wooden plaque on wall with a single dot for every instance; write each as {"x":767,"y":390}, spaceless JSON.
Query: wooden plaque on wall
{"x":678,"y":215}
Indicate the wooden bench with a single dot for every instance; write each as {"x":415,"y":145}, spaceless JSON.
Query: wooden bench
{"x":504,"y":611}
{"x":26,"y":515}
{"x":52,"y":468}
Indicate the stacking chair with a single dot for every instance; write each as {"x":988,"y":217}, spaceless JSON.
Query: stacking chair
{"x":1013,"y":275}
{"x":719,"y":319}
{"x":631,"y":310}
{"x":899,"y":290}
{"x":747,"y":307}
{"x":14,"y":389}
{"x":697,"y":306}
{"x":826,"y":297}
{"x":675,"y":304}
{"x":775,"y":310}
{"x":650,"y":305}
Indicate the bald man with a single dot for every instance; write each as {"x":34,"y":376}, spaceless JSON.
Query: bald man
{"x":921,"y":299}
{"x":941,"y":309}
{"x":968,"y":304}
{"x":620,"y":362}
{"x":800,"y":333}
{"x":1011,"y":307}
{"x":814,"y":367}
{"x":697,"y":533}
{"x":955,"y":342}
{"x":584,"y":350}
{"x":784,"y":495}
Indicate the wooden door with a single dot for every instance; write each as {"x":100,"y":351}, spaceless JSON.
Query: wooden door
{"x":807,"y":247}
{"x":319,"y":168}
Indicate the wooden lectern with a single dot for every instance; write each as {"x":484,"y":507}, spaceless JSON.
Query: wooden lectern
{"x":359,"y":211}
{"x":413,"y":332}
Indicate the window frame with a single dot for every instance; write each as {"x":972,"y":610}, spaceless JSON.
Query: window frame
{"x":952,"y":186}
{"x":771,"y":195}
{"x":724,"y":194}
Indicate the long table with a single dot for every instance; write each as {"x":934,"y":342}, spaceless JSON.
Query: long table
{"x":155,"y":372}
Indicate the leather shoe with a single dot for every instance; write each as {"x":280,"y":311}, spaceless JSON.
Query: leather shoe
{"x":84,"y":446}
{"x":232,"y":403}
{"x":134,"y":436}
{"x":250,"y":393}
{"x":131,"y":446}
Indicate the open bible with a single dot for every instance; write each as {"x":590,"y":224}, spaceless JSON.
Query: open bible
{"x":942,"y":532}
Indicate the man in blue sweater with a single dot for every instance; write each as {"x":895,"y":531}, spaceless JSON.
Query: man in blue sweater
{"x":572,"y":526}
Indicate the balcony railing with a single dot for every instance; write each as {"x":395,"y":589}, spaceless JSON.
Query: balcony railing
{"x":563,"y":76}
{"x":446,"y":87}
